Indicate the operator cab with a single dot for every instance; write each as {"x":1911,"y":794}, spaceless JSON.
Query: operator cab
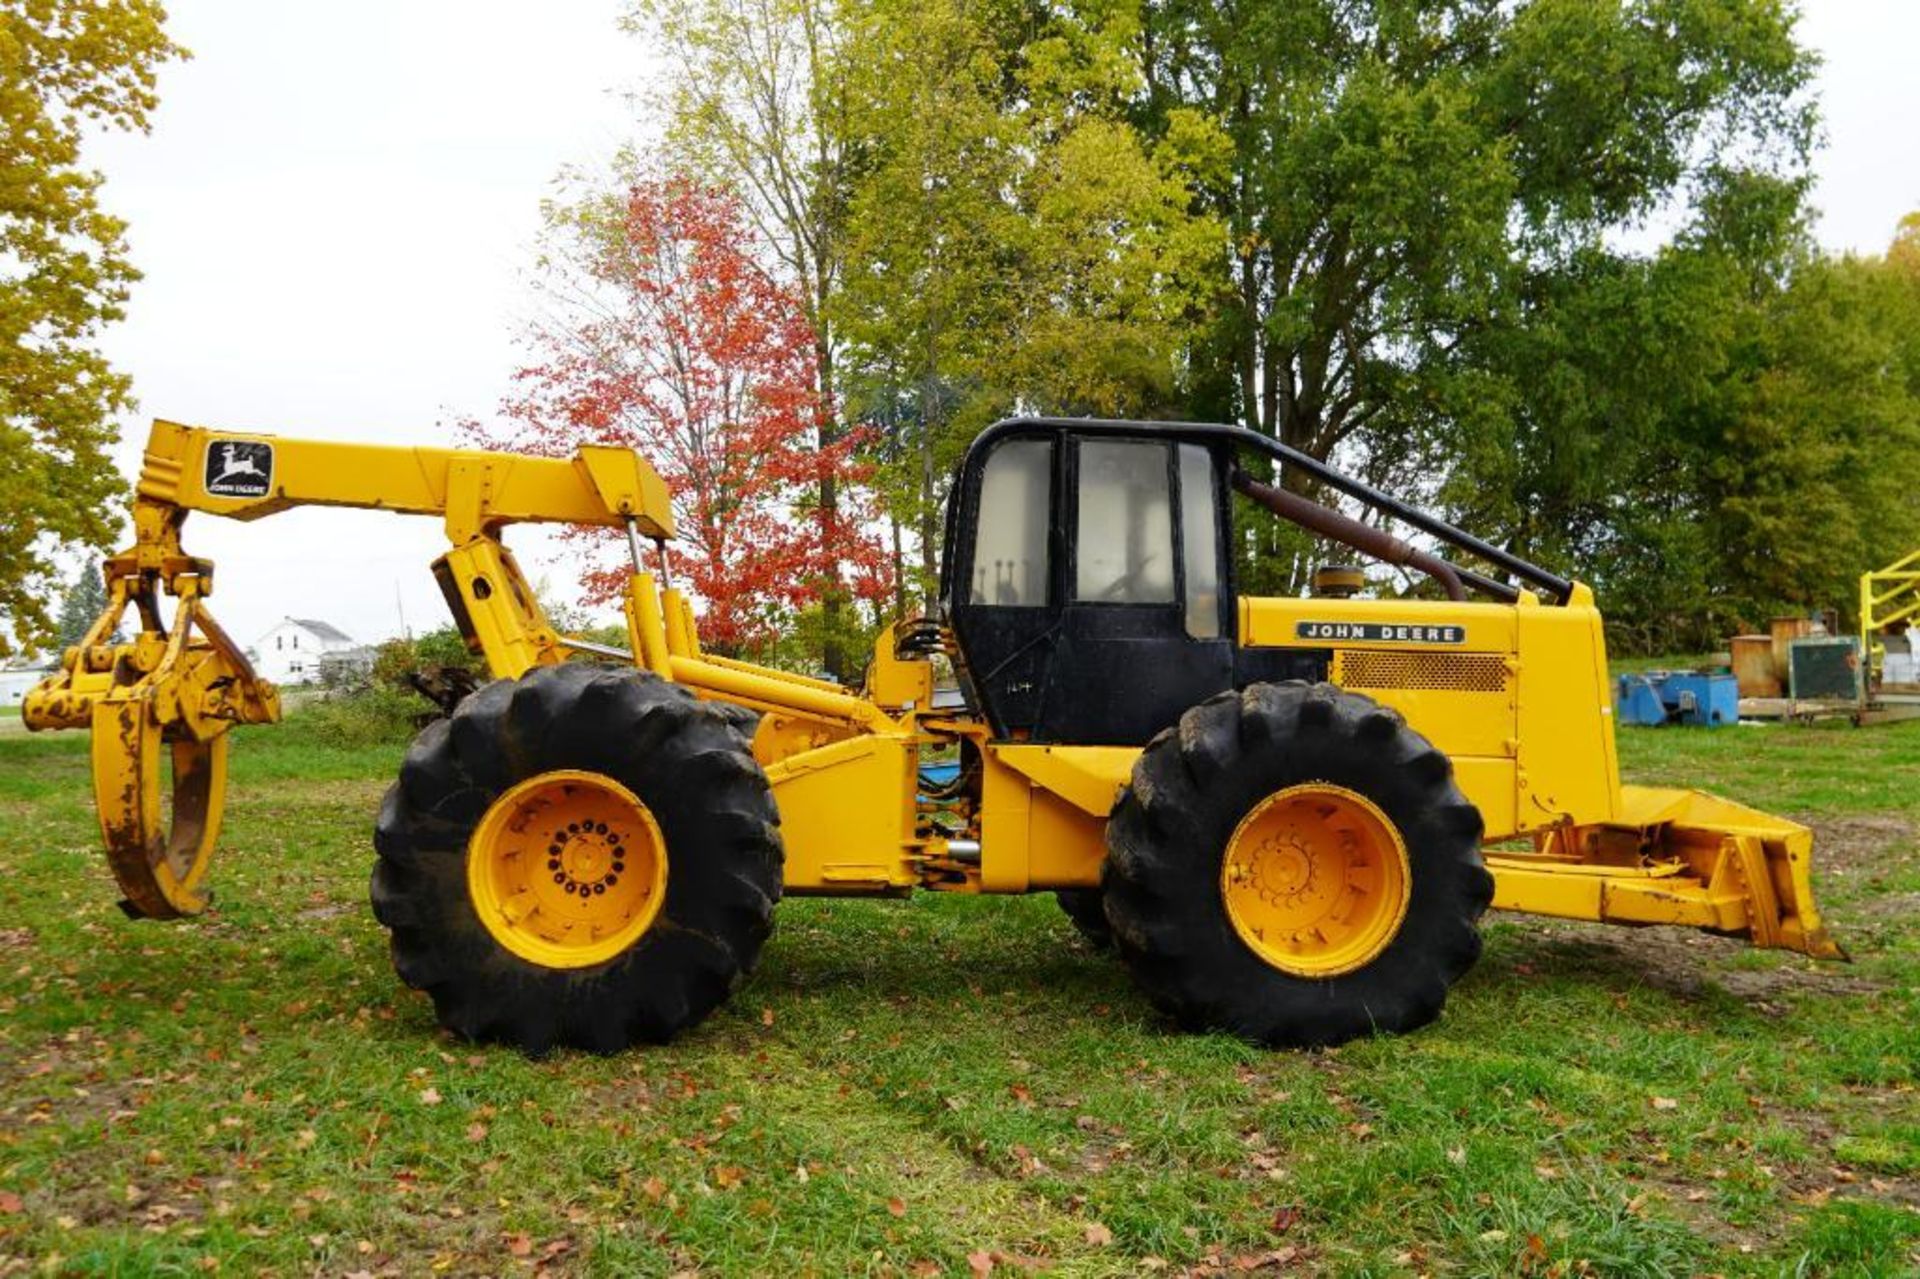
{"x":1088,"y":580}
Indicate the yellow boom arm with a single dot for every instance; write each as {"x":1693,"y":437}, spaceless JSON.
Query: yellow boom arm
{"x":164,"y":700}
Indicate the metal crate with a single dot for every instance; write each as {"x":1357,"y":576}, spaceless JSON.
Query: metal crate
{"x":1824,"y":666}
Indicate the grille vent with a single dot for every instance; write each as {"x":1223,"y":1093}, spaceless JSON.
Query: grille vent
{"x":1456,"y":672}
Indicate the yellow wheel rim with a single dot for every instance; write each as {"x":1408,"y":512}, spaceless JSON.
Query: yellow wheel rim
{"x":1316,"y":880}
{"x":567,"y":869}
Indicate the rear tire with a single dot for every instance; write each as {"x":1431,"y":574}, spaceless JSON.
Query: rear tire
{"x":689,"y":764}
{"x":1169,"y":836}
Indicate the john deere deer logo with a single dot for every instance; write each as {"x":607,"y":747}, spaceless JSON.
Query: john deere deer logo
{"x":239,"y":468}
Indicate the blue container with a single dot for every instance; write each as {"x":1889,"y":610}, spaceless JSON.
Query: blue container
{"x":1677,"y":697}
{"x":1637,"y":701}
{"x":1709,"y":701}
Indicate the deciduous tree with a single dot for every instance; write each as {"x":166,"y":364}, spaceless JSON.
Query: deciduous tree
{"x":1399,"y":168}
{"x":671,"y":336}
{"x":1011,"y":241}
{"x":66,"y":67}
{"x":755,"y":102}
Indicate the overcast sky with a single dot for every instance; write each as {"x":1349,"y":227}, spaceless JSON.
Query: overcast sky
{"x":338,"y":204}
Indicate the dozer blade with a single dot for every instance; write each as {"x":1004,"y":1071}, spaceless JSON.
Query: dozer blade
{"x":1676,"y":857}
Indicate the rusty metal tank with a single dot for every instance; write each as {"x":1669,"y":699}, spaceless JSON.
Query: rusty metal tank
{"x":1753,"y":666}
{"x":1785,"y":630}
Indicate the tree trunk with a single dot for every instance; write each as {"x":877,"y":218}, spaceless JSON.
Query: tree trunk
{"x":929,"y":520}
{"x":899,"y":568}
{"x":832,"y":601}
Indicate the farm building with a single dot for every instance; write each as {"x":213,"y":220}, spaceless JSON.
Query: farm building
{"x":290,"y":653}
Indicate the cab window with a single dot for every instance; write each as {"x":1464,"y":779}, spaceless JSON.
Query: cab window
{"x":1123,"y":536}
{"x":1010,"y":564}
{"x":1200,"y":542}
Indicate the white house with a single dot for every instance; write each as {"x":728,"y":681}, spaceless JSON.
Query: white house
{"x":18,"y":677}
{"x":290,"y":653}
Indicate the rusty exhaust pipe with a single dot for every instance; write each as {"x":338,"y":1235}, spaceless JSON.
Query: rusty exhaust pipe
{"x":1348,"y":531}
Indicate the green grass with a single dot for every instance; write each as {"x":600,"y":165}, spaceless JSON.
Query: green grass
{"x":903,"y":1085}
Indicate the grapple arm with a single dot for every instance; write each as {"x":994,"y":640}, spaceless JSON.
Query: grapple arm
{"x":160,"y":704}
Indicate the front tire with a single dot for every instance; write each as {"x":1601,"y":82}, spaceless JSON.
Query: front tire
{"x":1086,"y":910}
{"x":526,"y":934}
{"x":1295,"y":865}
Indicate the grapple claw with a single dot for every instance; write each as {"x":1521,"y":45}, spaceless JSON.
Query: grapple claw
{"x":159,"y":708}
{"x":159,"y":831}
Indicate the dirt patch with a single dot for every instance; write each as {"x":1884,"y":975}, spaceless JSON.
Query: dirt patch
{"x":1855,"y":856}
{"x":1833,"y":1173}
{"x":332,"y":910}
{"x":1870,"y":843}
{"x":1687,"y":964}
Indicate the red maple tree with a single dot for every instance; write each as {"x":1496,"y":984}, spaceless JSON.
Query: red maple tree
{"x":676,"y":341}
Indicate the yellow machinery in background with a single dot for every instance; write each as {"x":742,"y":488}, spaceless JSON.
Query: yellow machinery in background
{"x":1287,"y":815}
{"x":1889,"y":597}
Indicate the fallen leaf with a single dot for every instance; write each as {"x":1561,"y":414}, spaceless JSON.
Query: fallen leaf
{"x":727,"y":1176}
{"x":766,"y":1016}
{"x":1021,"y":1093}
{"x":429,"y":1096}
{"x":653,"y":1188}
{"x":520,"y":1244}
{"x":1098,"y":1235}
{"x":1285,"y":1218}
{"x":1457,"y":1156}
{"x":1546,"y":1172}
{"x":476,"y":1132}
{"x":897,"y":1206}
{"x":304,"y":1138}
{"x":981,"y":1263}
{"x":10,"y":1202}
{"x":1665,"y":1103}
